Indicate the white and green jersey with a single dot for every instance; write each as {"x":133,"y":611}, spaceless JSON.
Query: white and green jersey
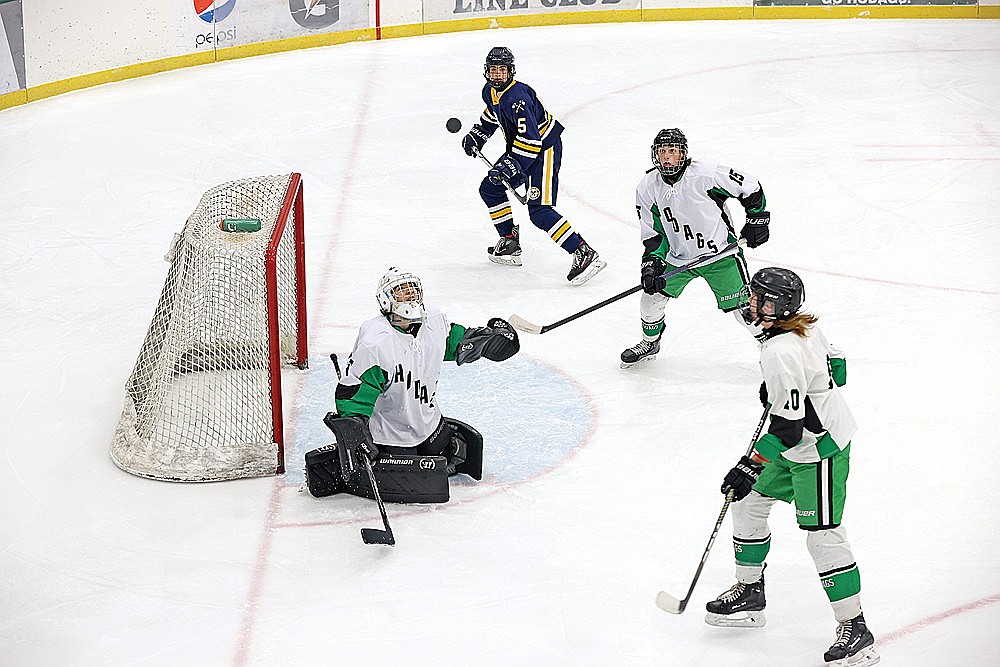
{"x":810,"y":420}
{"x":688,"y":219}
{"x":392,"y":377}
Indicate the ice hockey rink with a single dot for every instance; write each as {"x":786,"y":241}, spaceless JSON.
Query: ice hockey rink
{"x":878,"y":146}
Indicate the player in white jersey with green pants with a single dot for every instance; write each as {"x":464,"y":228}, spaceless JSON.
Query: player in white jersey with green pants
{"x":803,"y":459}
{"x":392,"y":376}
{"x":682,"y":215}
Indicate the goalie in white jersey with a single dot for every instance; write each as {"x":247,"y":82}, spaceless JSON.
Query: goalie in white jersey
{"x":803,"y":459}
{"x":683,"y":218}
{"x":392,"y":376}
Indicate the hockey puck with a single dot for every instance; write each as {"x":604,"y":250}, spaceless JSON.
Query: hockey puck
{"x":453,"y":125}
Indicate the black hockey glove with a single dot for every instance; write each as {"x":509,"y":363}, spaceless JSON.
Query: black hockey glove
{"x":742,"y":478}
{"x":507,"y":169}
{"x":652,"y":275}
{"x":763,"y":394}
{"x":504,"y":344}
{"x":497,"y":341}
{"x":756,"y":230}
{"x":474,"y":141}
{"x":369,"y":450}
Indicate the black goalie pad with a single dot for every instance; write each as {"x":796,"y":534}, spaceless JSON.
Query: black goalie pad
{"x":323,"y":472}
{"x":408,"y":478}
{"x":401,"y":478}
{"x":467,"y":444}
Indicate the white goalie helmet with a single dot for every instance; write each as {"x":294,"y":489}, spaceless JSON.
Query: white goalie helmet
{"x":401,"y":294}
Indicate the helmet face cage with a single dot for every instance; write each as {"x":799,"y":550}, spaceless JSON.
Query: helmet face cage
{"x":781,"y":288}
{"x":665,"y":138}
{"x":400,"y":294}
{"x":499,"y":55}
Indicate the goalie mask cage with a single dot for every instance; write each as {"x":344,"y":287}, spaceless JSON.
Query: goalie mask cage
{"x":203,"y":402}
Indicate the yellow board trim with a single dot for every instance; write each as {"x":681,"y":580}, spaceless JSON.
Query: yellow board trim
{"x":697,"y":13}
{"x":46,"y":90}
{"x":868,"y":12}
{"x":17,"y":98}
{"x":117,"y":74}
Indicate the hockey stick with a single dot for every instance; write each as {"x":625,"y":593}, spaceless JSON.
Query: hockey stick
{"x":372,"y":535}
{"x":519,"y":322}
{"x":668,"y":602}
{"x":517,"y":195}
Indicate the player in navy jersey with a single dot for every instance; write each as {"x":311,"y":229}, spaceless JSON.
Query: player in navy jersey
{"x":533,"y":156}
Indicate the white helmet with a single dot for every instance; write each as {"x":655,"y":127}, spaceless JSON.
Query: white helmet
{"x":401,"y":294}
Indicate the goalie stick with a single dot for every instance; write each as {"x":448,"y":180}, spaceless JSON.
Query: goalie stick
{"x":372,"y":535}
{"x":517,"y":195}
{"x":668,"y":602}
{"x":519,"y":322}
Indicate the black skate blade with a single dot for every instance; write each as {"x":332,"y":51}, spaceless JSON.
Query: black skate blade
{"x":377,"y":536}
{"x":589,"y":272}
{"x":630,"y":364}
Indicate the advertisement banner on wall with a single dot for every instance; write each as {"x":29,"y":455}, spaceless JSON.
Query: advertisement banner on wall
{"x":450,"y":10}
{"x":11,"y":47}
{"x":217,"y":24}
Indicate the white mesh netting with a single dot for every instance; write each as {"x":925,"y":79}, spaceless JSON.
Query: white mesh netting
{"x":200,"y":403}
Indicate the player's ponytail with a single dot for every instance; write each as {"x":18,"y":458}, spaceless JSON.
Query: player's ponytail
{"x":799,"y":323}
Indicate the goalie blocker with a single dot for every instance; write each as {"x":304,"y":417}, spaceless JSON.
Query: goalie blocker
{"x":401,"y":478}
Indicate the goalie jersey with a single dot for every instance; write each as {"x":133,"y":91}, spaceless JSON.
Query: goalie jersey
{"x":688,"y":219}
{"x":810,"y":420}
{"x":527,"y":126}
{"x":392,"y":377}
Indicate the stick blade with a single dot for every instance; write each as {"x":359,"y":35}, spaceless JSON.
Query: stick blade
{"x":377,"y":536}
{"x":522,"y":324}
{"x":669,"y":603}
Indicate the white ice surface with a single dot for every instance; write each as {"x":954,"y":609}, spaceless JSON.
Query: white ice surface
{"x":878,"y":144}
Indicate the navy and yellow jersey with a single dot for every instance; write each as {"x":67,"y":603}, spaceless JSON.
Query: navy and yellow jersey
{"x":392,"y":376}
{"x":527,"y":126}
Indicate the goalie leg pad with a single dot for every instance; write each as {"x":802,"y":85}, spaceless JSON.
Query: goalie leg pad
{"x":467,"y":445}
{"x":409,"y":478}
{"x":323,"y":472}
{"x":401,"y":478}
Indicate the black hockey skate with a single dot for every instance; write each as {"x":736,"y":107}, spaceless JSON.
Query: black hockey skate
{"x":742,"y":606}
{"x":586,"y":264}
{"x":644,"y":350}
{"x":507,"y":250}
{"x":855,"y":645}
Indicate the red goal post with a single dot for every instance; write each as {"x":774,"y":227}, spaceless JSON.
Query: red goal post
{"x":204,"y":400}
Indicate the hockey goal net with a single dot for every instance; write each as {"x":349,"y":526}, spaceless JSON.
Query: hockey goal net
{"x":204,"y":402}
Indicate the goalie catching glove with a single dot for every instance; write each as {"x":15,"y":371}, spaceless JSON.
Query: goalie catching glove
{"x":756,"y":230}
{"x":507,"y":170}
{"x":497,"y":341}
